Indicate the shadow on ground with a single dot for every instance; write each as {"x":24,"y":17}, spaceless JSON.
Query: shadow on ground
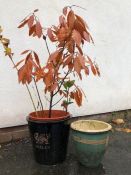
{"x":17,"y":159}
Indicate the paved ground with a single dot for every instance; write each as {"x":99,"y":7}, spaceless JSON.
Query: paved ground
{"x":17,"y":159}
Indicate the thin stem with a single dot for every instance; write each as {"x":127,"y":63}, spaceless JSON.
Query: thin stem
{"x":62,"y":83}
{"x":47,"y":46}
{"x":58,"y":101}
{"x":38,"y":94}
{"x":51,"y":95}
{"x":67,"y":99}
{"x":31,"y":97}
{"x":78,"y":7}
{"x":50,"y":107}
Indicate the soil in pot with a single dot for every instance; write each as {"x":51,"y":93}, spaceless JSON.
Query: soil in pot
{"x":49,"y":136}
{"x":90,"y":139}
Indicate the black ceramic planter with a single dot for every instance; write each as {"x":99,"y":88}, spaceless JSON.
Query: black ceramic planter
{"x":49,"y":139}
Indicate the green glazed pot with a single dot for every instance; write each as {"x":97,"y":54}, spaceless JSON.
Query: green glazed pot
{"x":90,"y":139}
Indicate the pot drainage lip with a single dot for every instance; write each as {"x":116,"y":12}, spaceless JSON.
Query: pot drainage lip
{"x":91,"y":126}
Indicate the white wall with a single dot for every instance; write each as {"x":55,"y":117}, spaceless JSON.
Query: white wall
{"x":110,"y":24}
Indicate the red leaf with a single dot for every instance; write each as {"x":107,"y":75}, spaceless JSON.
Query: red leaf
{"x":53,"y":87}
{"x":63,"y":34}
{"x":23,"y":24}
{"x":36,"y":58}
{"x":32,"y":30}
{"x":77,"y":67}
{"x":97,"y":70}
{"x":24,"y":73}
{"x":50,"y":35}
{"x":92,"y":66}
{"x":28,"y":57}
{"x":16,"y":65}
{"x":53,"y":57}
{"x":93,"y":69}
{"x":72,"y":95}
{"x":76,"y":37}
{"x":83,"y":23}
{"x":68,"y":60}
{"x":31,"y":21}
{"x":78,"y":97}
{"x":61,"y":20}
{"x":24,"y":52}
{"x":80,"y":50}
{"x":71,"y":19}
{"x":38,"y":29}
{"x":86,"y":36}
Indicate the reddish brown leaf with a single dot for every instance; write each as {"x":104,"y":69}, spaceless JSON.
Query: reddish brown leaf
{"x":28,"y":57}
{"x":61,"y":20}
{"x":93,"y":69}
{"x":78,"y":97}
{"x":31,"y":21}
{"x":79,"y":27}
{"x":70,"y":45}
{"x":81,"y":60}
{"x":16,"y":65}
{"x":68,"y":60}
{"x":50,"y":35}
{"x":72,"y":95}
{"x":54,"y":56}
{"x":24,"y":73}
{"x":38,"y":29}
{"x":23,"y":24}
{"x":97,"y":70}
{"x":86,"y":36}
{"x":77,"y":67}
{"x":86,"y":70}
{"x":83,"y":23}
{"x":71,"y":19}
{"x":48,"y":79}
{"x":24,"y":52}
{"x":32,"y":30}
{"x":36,"y":58}
{"x":70,"y":66}
{"x":80,"y":50}
{"x":39,"y":73}
{"x":53,"y":87}
{"x":76,"y":37}
{"x":63,"y":34}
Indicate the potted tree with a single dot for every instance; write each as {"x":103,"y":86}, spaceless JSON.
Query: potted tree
{"x":48,"y":128}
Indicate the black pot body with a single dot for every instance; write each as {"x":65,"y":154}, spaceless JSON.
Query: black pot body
{"x":49,"y":141}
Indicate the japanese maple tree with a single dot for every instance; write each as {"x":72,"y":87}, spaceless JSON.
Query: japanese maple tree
{"x":63,"y":64}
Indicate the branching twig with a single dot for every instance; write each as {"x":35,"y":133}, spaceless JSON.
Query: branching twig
{"x":58,"y":101}
{"x":38,"y":94}
{"x":61,"y":83}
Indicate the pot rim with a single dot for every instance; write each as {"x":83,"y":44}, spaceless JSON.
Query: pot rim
{"x":32,"y":117}
{"x":108,"y":128}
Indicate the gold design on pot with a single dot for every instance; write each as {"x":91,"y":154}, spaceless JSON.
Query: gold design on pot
{"x":91,"y":142}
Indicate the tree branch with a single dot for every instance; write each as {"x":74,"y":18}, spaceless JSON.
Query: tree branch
{"x":61,"y":83}
{"x":58,"y":101}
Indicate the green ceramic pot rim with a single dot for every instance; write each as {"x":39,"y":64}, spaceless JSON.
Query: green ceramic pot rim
{"x":91,"y":126}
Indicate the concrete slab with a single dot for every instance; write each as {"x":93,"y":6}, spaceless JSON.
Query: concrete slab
{"x":16,"y":158}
